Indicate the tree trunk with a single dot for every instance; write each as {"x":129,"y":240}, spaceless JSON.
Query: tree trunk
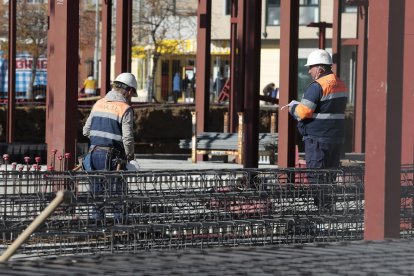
{"x":30,"y":95}
{"x":155,"y":59}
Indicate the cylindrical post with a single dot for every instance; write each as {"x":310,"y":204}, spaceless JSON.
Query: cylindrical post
{"x":194,"y":137}
{"x":240,"y":138}
{"x":61,"y":196}
{"x":273,"y":123}
{"x":226,"y":122}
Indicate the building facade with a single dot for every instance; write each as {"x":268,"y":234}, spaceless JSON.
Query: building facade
{"x":311,"y":11}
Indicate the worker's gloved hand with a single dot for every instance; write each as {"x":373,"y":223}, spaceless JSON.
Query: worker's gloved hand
{"x":130,"y":157}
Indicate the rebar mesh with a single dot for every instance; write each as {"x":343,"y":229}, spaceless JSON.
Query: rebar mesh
{"x":130,"y":211}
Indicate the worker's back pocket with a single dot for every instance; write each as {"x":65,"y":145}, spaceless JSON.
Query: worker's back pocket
{"x":87,"y":162}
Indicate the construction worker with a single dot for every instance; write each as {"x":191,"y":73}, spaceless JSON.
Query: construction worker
{"x":110,"y":130}
{"x":321,"y":114}
{"x":89,"y":86}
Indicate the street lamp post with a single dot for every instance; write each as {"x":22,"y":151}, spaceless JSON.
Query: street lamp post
{"x":150,"y":79}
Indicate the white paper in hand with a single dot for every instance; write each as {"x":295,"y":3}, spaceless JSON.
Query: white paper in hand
{"x":132,"y":166}
{"x":292,"y":103}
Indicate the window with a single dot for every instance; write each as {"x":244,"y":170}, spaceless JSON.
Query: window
{"x":273,"y":13}
{"x":308,"y":12}
{"x":35,"y":1}
{"x":348,"y":8}
{"x":304,"y":78}
{"x":227,"y":8}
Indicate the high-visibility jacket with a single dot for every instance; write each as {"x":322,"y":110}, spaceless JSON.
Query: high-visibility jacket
{"x":106,"y":123}
{"x":321,"y":112}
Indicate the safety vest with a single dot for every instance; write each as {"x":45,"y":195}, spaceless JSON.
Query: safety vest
{"x":106,"y":124}
{"x":324,"y":118}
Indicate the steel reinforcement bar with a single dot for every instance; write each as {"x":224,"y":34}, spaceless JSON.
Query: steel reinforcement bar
{"x":129,"y":211}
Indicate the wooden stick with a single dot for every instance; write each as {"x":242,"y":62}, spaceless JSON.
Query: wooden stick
{"x":61,"y":196}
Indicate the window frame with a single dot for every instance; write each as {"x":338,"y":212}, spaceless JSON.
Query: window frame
{"x":302,"y":3}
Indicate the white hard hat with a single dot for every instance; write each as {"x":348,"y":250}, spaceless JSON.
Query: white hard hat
{"x":319,"y":57}
{"x":128,"y":79}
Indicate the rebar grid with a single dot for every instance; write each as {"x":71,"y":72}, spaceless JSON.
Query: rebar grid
{"x":407,"y":195}
{"x":181,"y":209}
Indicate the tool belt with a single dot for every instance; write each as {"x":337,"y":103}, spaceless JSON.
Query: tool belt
{"x":112,"y":153}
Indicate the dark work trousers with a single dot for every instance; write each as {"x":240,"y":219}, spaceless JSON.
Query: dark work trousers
{"x":105,"y":186}
{"x":321,"y":155}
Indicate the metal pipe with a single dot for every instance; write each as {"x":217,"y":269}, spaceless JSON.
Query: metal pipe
{"x":61,"y":196}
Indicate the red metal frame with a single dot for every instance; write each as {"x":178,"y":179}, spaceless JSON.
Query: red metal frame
{"x":408,"y":102}
{"x":123,"y":37}
{"x":62,"y":86}
{"x":384,"y":116}
{"x":11,"y":99}
{"x":252,"y":83}
{"x":106,"y":46}
{"x":289,"y":42}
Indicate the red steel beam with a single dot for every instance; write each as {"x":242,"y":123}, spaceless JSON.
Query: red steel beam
{"x":322,"y":32}
{"x":123,"y":36}
{"x":252,"y":84}
{"x":360,"y":80}
{"x":63,"y":59}
{"x":203,"y":65}
{"x":289,"y":42}
{"x":384,"y":116}
{"x":106,"y":46}
{"x":234,"y":77}
{"x":237,"y":95}
{"x":336,"y":37}
{"x":11,"y":99}
{"x":408,"y":102}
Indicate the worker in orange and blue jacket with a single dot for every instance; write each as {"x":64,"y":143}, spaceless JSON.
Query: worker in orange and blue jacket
{"x":110,"y":130}
{"x":321,"y":113}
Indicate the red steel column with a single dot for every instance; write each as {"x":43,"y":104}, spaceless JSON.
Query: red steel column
{"x":237,"y":95}
{"x":408,"y":102}
{"x":106,"y":46}
{"x":203,"y":64}
{"x":322,"y":32}
{"x":234,"y":79}
{"x":123,"y":36}
{"x":289,"y":42}
{"x":336,"y":37}
{"x":361,"y":77}
{"x":63,"y":59}
{"x":11,"y":98}
{"x":252,"y":84}
{"x":384,"y":115}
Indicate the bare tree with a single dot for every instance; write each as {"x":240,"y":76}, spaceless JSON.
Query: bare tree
{"x":160,"y":20}
{"x":31,"y":34}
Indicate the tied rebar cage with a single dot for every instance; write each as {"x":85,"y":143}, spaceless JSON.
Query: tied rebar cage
{"x":131,"y":211}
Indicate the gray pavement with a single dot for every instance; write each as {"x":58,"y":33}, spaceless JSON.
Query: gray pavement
{"x":164,"y":164}
{"x":395,"y":257}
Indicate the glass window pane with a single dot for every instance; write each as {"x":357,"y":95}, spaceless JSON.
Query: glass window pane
{"x":228,"y":7}
{"x":304,"y":78}
{"x":308,"y":14}
{"x":273,"y":16}
{"x":351,"y":9}
{"x":273,"y":13}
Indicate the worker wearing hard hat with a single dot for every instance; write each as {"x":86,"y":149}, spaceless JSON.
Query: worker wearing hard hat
{"x":321,"y":113}
{"x":110,"y":124}
{"x":110,"y":130}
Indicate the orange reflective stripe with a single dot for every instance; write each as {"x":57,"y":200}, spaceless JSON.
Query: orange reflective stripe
{"x":303,"y":111}
{"x":331,"y":84}
{"x":116,"y":108}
